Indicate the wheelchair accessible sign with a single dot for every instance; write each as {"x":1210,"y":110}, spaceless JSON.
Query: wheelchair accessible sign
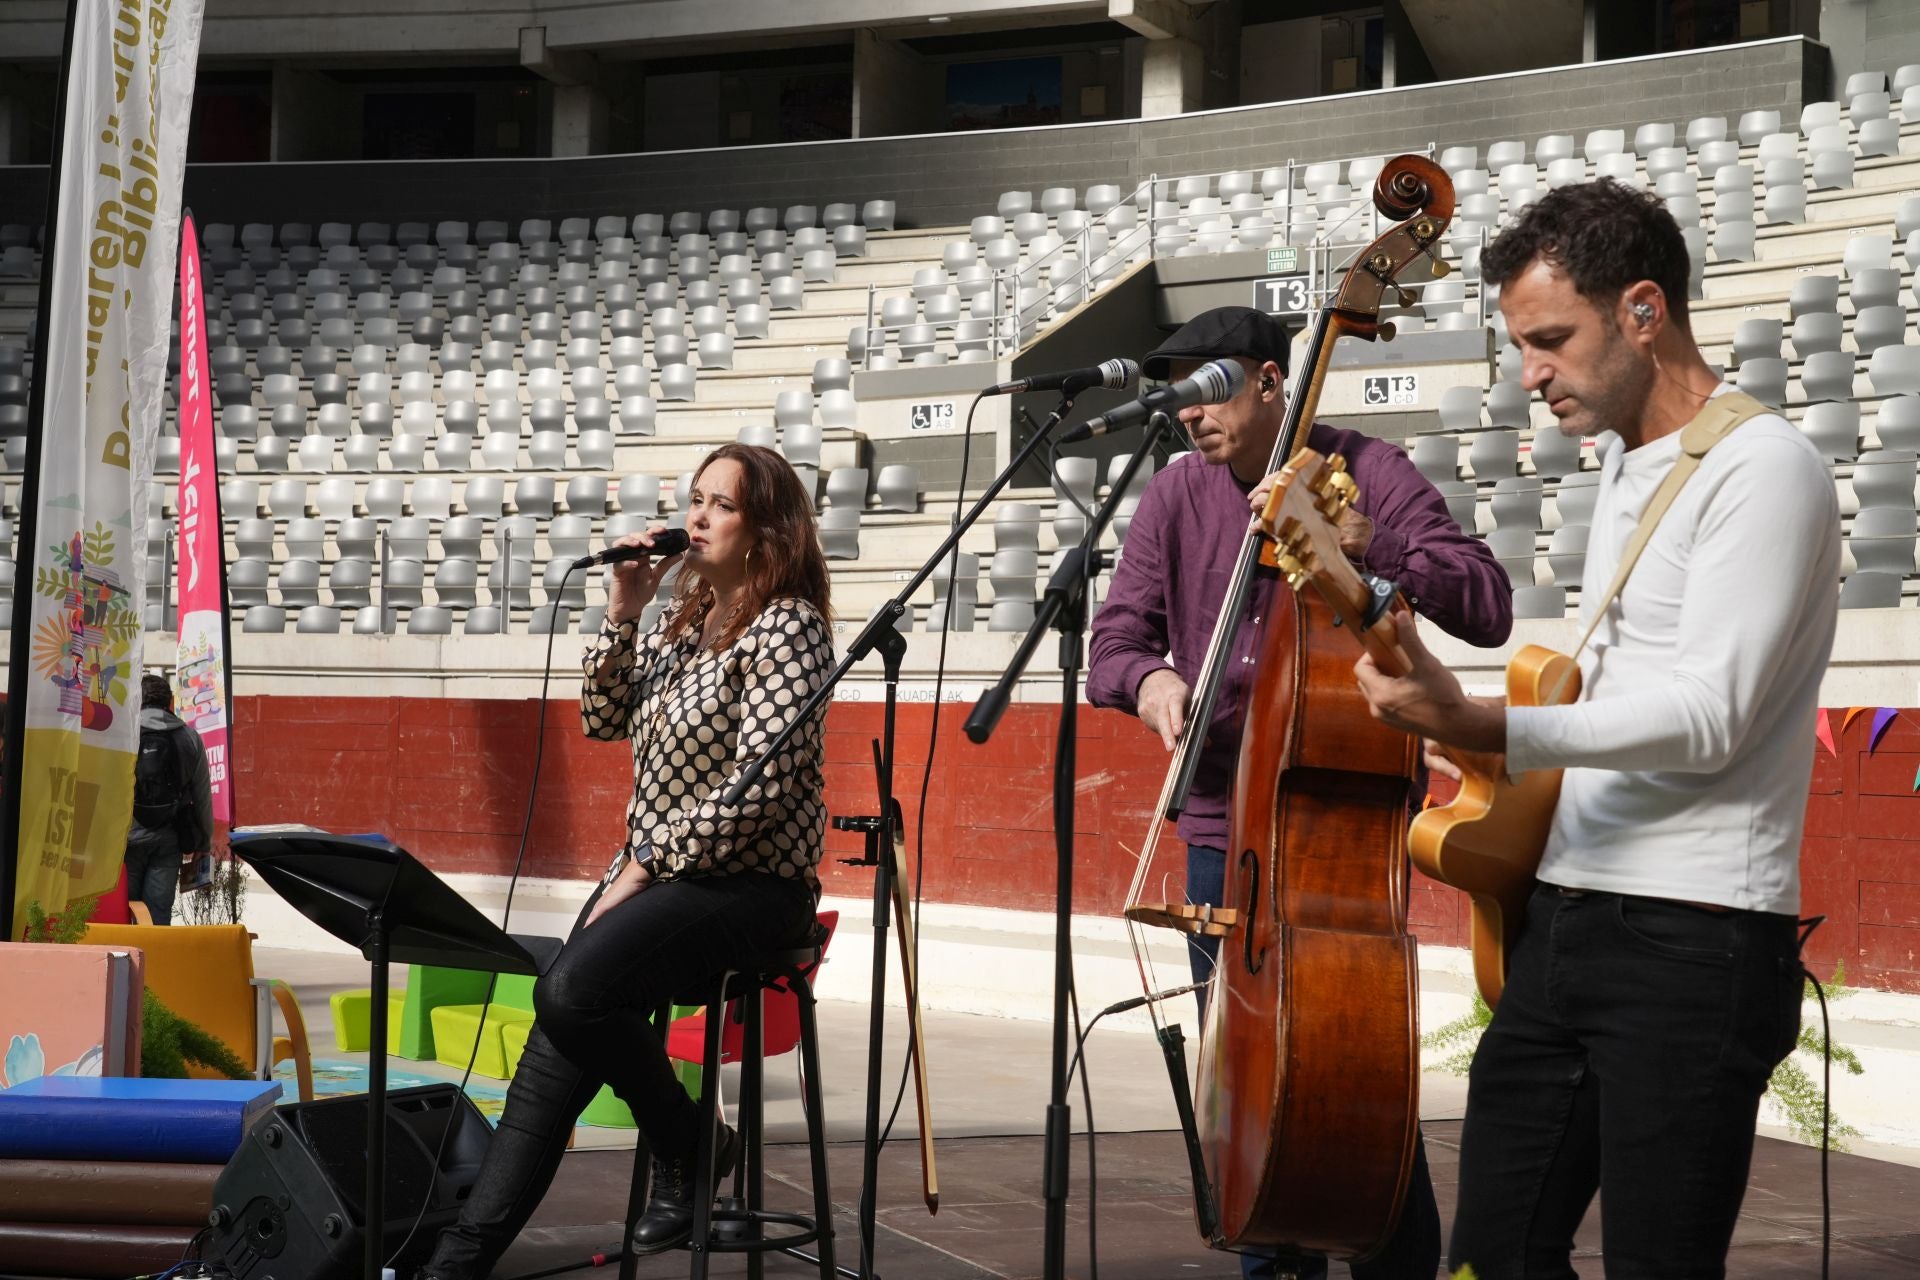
{"x":932,"y":415}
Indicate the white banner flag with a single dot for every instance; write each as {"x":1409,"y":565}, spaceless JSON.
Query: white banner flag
{"x":128,"y":99}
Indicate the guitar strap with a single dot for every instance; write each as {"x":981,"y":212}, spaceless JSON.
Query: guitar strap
{"x":1714,"y":423}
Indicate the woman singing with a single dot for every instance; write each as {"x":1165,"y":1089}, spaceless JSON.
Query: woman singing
{"x":698,"y":885}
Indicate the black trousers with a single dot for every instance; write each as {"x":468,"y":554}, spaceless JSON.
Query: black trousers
{"x":1628,"y":1055}
{"x":592,"y":1009}
{"x":1413,"y":1251}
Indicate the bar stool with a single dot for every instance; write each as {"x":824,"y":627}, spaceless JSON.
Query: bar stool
{"x":736,"y":995}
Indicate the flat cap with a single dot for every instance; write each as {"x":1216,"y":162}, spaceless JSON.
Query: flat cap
{"x":1223,"y":331}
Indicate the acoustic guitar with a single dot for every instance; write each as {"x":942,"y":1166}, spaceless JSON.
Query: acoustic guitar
{"x":1488,"y":841}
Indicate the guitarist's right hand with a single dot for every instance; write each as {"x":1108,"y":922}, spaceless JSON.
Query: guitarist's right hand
{"x":1451,"y":762}
{"x":1439,"y":763}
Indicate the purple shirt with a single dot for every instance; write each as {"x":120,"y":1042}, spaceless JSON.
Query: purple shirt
{"x":1178,"y":560}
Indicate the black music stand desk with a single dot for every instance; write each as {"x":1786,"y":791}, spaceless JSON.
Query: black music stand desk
{"x":372,"y":894}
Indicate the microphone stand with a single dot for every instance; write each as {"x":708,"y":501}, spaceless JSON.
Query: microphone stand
{"x":881,"y":633}
{"x":1063,"y":607}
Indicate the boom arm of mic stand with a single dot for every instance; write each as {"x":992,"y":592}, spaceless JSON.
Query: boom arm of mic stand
{"x":889,"y":613}
{"x":1068,"y":583}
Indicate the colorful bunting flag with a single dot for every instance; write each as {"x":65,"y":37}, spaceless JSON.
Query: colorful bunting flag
{"x":1823,"y":731}
{"x":1883,"y":718}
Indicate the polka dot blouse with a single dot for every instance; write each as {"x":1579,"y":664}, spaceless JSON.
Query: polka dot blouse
{"x":696,"y":718}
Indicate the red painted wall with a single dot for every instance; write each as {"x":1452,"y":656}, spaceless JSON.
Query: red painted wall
{"x":447,"y":779}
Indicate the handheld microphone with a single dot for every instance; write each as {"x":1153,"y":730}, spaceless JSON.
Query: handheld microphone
{"x":1211,"y":383}
{"x":1112,"y":374}
{"x":667,"y":542}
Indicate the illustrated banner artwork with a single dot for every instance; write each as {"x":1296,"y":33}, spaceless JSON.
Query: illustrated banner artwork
{"x":200,"y":676}
{"x":129,"y":95}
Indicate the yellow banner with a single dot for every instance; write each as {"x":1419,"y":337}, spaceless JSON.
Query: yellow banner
{"x":83,"y":568}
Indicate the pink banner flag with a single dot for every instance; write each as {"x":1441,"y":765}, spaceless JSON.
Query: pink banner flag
{"x":200,"y":674}
{"x":1823,"y":730}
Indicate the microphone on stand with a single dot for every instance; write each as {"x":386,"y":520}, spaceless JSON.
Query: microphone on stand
{"x":1112,"y":374}
{"x":1211,"y":383}
{"x":667,"y":542}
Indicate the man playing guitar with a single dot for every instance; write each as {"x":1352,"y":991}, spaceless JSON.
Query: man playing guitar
{"x":1656,"y":981}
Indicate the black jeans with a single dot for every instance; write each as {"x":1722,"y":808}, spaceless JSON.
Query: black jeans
{"x":1413,"y":1251}
{"x":1628,"y":1055}
{"x":592,"y":1009}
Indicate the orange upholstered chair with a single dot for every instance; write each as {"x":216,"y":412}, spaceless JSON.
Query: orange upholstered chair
{"x":204,"y":973}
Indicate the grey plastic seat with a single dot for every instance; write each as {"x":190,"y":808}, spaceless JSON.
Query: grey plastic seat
{"x":1814,"y":294}
{"x":1567,"y":553}
{"x":1895,"y":371}
{"x":847,"y":488}
{"x":1898,"y":423}
{"x":955,"y":598}
{"x":1834,"y":429}
{"x":1756,"y":338}
{"x":1882,"y":540}
{"x":1877,"y":327}
{"x":1514,"y":549}
{"x":1508,"y":405}
{"x":264,"y":618}
{"x":1817,"y":331}
{"x":1871,"y":590}
{"x":1554,"y":453}
{"x":1765,"y":381}
{"x":640,"y":495}
{"x":1436,"y":456}
{"x":897,"y":488}
{"x":1885,"y":478}
{"x":1826,"y":375}
{"x":318,"y":619}
{"x":1461,"y":502}
{"x":247,"y":581}
{"x":1574,"y":497}
{"x":1494,"y":453}
{"x":840,"y":532}
{"x":1517,"y":502}
{"x":1540,"y":602}
{"x":1874,"y":287}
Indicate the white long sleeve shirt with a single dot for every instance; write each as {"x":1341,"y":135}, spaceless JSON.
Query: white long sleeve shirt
{"x":1688,"y":756}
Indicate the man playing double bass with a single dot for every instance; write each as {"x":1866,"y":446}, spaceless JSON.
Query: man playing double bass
{"x":1150,"y":636}
{"x":1656,"y":981}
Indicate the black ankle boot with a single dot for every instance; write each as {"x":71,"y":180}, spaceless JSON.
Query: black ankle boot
{"x":668,"y":1220}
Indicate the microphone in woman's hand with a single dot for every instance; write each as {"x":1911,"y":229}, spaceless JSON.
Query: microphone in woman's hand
{"x":667,"y":542}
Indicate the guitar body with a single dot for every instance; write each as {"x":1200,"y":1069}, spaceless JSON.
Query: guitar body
{"x":1487,"y":843}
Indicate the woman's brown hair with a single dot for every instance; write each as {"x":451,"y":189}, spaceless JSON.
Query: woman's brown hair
{"x":786,"y":560}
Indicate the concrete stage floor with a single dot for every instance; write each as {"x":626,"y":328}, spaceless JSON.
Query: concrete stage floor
{"x":990,"y":1219}
{"x":989,"y":1091}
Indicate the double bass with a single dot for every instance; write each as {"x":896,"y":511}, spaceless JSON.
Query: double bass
{"x":1303,"y":1111}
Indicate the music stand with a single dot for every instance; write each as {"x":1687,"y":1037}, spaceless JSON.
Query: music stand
{"x":372,"y":894}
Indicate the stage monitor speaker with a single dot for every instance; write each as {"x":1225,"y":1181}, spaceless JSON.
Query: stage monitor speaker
{"x":290,"y":1204}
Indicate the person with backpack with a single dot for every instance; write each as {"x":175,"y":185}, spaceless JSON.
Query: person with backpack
{"x":172,"y":801}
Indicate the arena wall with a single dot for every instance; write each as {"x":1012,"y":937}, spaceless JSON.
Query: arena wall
{"x":447,"y":778}
{"x":949,"y":178}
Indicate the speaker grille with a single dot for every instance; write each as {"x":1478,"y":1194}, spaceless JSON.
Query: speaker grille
{"x":336,"y":1132}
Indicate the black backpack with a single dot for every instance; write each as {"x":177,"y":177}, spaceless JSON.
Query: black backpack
{"x":160,"y":799}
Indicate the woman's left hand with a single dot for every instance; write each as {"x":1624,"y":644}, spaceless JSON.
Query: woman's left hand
{"x":632,"y":879}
